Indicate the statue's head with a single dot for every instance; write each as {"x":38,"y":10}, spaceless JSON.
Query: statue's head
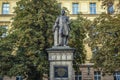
{"x":63,"y":12}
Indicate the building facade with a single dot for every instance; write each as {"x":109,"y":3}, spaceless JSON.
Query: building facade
{"x":6,"y":13}
{"x":87,"y":8}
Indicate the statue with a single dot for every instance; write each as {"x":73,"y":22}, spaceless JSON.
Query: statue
{"x":61,"y":30}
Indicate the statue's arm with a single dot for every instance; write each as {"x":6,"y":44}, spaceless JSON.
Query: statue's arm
{"x":56,"y":24}
{"x":68,"y":23}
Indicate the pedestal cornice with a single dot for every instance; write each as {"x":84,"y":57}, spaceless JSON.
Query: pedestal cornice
{"x":61,"y":48}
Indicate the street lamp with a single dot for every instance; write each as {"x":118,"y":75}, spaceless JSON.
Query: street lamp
{"x":88,"y":70}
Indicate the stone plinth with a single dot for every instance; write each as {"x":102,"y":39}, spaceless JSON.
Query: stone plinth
{"x":61,"y":66}
{"x":87,"y":71}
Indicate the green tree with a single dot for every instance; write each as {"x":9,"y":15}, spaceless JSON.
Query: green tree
{"x":77,"y":37}
{"x":107,"y":4}
{"x":104,"y":37}
{"x":22,"y":52}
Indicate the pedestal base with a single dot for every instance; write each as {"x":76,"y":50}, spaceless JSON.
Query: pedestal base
{"x":61,"y":66}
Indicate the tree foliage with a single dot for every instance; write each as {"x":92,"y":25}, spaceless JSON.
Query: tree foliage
{"x":105,"y":42}
{"x":108,"y":4}
{"x":23,"y":52}
{"x":77,"y":36}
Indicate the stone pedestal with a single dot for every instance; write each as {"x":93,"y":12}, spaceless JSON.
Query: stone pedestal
{"x":61,"y":66}
{"x":87,"y":71}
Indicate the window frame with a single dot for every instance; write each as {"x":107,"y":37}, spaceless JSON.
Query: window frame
{"x":78,"y":75}
{"x":60,"y":5}
{"x":98,"y":75}
{"x":75,"y":8}
{"x":93,"y":8}
{"x":6,"y":8}
{"x":116,"y":75}
{"x":5,"y":33}
{"x":110,"y":9}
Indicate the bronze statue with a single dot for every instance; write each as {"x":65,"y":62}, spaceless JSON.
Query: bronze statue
{"x":61,"y":30}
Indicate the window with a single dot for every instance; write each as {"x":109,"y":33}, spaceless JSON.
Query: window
{"x":59,"y":5}
{"x":117,"y":75}
{"x":92,"y":8}
{"x":75,"y":8}
{"x":5,"y":8}
{"x":3,"y":31}
{"x":110,"y":9}
{"x":78,"y":76}
{"x":19,"y":78}
{"x":97,"y":75}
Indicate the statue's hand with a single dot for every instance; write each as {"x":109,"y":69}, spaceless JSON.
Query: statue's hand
{"x":53,"y":29}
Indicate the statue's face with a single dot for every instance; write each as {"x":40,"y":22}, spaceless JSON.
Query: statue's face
{"x":62,"y":12}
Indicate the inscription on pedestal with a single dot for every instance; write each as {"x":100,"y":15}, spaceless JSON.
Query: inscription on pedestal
{"x":60,"y":56}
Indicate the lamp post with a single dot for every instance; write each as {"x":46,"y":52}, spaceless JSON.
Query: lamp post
{"x":88,"y":70}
